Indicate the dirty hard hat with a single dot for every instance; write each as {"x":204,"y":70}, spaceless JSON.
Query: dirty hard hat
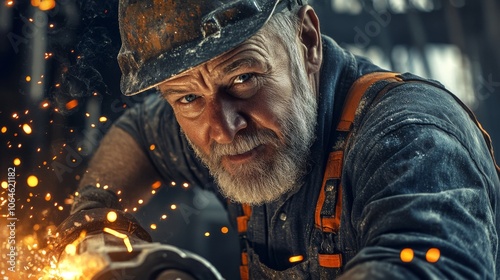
{"x":162,"y":38}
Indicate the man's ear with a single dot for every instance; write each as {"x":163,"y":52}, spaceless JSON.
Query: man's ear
{"x":310,"y":37}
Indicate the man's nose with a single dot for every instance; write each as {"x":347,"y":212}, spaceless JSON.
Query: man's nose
{"x":225,"y":121}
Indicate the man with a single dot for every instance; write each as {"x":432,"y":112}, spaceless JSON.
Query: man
{"x":250,"y":95}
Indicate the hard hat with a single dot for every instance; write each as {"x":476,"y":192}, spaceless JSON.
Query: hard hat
{"x":162,"y":38}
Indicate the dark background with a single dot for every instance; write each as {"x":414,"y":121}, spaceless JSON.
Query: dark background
{"x":69,"y":54}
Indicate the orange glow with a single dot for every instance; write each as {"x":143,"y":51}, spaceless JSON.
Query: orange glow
{"x":10,"y":3}
{"x":432,"y":255}
{"x":48,"y":197}
{"x":72,"y":104}
{"x":17,"y":162}
{"x":173,"y":206}
{"x":28,"y":78}
{"x":5,"y":185}
{"x":294,"y":259}
{"x":103,"y":119}
{"x":207,"y":234}
{"x":185,"y":185}
{"x":163,"y":217}
{"x":224,"y":230}
{"x":112,"y":216}
{"x":32,"y":181}
{"x":406,"y":255}
{"x":153,"y":226}
{"x":4,"y":129}
{"x":152,"y":147}
{"x":156,"y":185}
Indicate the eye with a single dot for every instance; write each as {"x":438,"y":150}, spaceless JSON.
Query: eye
{"x":188,"y":98}
{"x":243,"y":78}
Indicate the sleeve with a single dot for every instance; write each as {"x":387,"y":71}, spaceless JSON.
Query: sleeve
{"x":153,"y":125}
{"x":420,"y":177}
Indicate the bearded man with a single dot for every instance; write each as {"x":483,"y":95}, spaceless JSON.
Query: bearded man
{"x":250,"y":105}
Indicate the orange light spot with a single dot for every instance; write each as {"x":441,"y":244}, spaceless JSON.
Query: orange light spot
{"x":72,"y":104}
{"x":224,"y":230}
{"x":140,"y":201}
{"x":70,"y":249}
{"x":5,"y":185}
{"x":432,"y":255}
{"x":4,"y":129}
{"x":111,"y":216}
{"x":32,"y":181}
{"x":185,"y":185}
{"x":207,"y":234}
{"x":406,"y":255}
{"x":152,"y":147}
{"x":153,"y":226}
{"x":163,"y":217}
{"x":173,"y":206}
{"x":103,"y":119}
{"x":294,"y":259}
{"x":28,"y":78}
{"x":48,"y":197}
{"x":156,"y":185}
{"x":10,"y":3}
{"x":17,"y":162}
{"x":27,"y":128}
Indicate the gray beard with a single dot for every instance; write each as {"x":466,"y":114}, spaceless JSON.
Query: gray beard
{"x":264,"y":180}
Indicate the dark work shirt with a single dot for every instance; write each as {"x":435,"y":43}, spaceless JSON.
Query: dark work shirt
{"x":417,"y":174}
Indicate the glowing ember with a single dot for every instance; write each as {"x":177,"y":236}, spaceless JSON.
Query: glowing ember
{"x":294,"y":259}
{"x":32,"y":181}
{"x":103,"y":119}
{"x":224,"y":230}
{"x":185,"y":185}
{"x":163,"y":217}
{"x":17,"y":162}
{"x":207,"y":234}
{"x":10,"y":3}
{"x":48,"y":197}
{"x":140,"y":201}
{"x":4,"y":129}
{"x":173,"y":206}
{"x":27,"y":128}
{"x":72,"y":104}
{"x":156,"y":185}
{"x":152,"y":147}
{"x":28,"y":78}
{"x":5,"y":185}
{"x":153,"y":226}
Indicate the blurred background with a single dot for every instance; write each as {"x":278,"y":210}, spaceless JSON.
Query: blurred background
{"x":59,"y":93}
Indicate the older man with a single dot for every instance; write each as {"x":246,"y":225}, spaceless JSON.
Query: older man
{"x":249,"y":105}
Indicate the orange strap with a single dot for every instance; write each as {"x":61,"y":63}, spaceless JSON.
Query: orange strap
{"x":330,"y":260}
{"x":242,"y":229}
{"x":331,"y":180}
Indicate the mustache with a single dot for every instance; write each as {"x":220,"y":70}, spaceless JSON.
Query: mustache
{"x":244,"y":142}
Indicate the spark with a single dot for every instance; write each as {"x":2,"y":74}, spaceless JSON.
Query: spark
{"x":103,"y":119}
{"x":10,"y":3}
{"x":48,"y":197}
{"x":87,"y":115}
{"x":15,"y":116}
{"x":5,"y":185}
{"x":163,"y":217}
{"x":152,"y":147}
{"x":28,"y":78}
{"x":32,"y":181}
{"x":27,"y":128}
{"x":173,"y":183}
{"x":156,"y":185}
{"x":72,"y":104}
{"x":173,"y":206}
{"x":207,"y":234}
{"x":4,"y":129}
{"x":185,"y":185}
{"x":111,"y":216}
{"x":17,"y":162}
{"x":224,"y":230}
{"x":140,"y":201}
{"x":153,"y":226}
{"x":294,"y":259}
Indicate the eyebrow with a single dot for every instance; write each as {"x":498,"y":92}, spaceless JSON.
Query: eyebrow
{"x":246,"y":61}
